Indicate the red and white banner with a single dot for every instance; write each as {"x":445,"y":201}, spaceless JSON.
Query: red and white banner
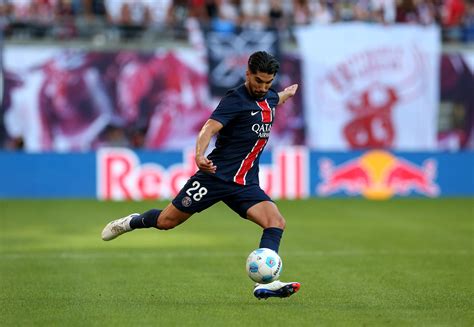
{"x":123,"y":174}
{"x":74,"y":100}
{"x":370,"y":86}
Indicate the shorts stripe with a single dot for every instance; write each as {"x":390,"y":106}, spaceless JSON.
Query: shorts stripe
{"x":248,"y":162}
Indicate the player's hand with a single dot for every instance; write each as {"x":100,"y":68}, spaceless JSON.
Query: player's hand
{"x":205,"y":164}
{"x":287,"y":92}
{"x":291,"y":90}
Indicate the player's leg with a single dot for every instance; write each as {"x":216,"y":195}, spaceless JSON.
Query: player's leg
{"x":254,"y":204}
{"x":165,"y":219}
{"x":195,"y":196}
{"x":257,"y":206}
{"x":171,"y":217}
{"x":267,"y":215}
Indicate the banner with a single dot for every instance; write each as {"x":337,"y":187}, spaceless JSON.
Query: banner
{"x":285,"y":173}
{"x":228,"y":54}
{"x":456,"y":129}
{"x":70,"y":100}
{"x":123,"y":174}
{"x":370,"y":86}
{"x":2,"y":91}
{"x":73,"y":100}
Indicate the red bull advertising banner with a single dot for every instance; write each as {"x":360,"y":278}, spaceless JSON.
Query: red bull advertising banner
{"x":378,"y":175}
{"x":285,"y":173}
{"x":122,"y":175}
{"x":381,"y":175}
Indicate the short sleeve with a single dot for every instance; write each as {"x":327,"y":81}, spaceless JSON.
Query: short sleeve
{"x":273,"y":98}
{"x":228,"y":108}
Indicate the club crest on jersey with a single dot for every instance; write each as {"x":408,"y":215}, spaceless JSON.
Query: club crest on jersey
{"x":262,"y":130}
{"x":186,"y":202}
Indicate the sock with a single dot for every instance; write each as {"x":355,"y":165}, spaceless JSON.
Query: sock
{"x":145,"y":220}
{"x":271,"y":238}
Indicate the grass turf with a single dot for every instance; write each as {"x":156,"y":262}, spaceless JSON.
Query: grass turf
{"x":403,"y":262}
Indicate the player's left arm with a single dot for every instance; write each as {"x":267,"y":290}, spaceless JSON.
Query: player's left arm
{"x":288,"y":92}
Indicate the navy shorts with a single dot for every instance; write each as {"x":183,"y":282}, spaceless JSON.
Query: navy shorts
{"x":204,"y":190}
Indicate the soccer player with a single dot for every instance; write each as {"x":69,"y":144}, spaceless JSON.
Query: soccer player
{"x":242,"y":122}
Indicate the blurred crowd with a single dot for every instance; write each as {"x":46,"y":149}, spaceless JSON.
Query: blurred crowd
{"x":106,"y":19}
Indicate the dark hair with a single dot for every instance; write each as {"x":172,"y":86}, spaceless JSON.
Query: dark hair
{"x":262,"y":61}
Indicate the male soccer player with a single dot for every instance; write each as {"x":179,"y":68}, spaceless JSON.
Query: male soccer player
{"x":242,"y":122}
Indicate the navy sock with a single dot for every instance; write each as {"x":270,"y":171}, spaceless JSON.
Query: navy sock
{"x":271,"y":238}
{"x":145,"y":220}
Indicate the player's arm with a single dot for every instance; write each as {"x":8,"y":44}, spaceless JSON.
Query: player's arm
{"x":210,"y":128}
{"x":288,"y":92}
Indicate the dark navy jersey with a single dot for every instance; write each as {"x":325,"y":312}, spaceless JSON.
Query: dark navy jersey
{"x":247,"y":123}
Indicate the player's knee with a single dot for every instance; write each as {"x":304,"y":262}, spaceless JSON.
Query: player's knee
{"x":281,"y":222}
{"x":171,"y":217}
{"x":277,"y":221}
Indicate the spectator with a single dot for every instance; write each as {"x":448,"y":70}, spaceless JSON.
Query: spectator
{"x":343,"y":10}
{"x":94,"y":7}
{"x":131,"y":17}
{"x":322,"y":13}
{"x":32,"y":18}
{"x":224,"y":15}
{"x":255,"y":13}
{"x":384,"y":11}
{"x":426,"y":12}
{"x":406,"y":12}
{"x":452,"y":16}
{"x":5,"y":14}
{"x":158,"y":11}
{"x":453,"y":12}
{"x":64,"y":12}
{"x":361,"y":10}
{"x":468,"y":23}
{"x":301,"y":12}
{"x":276,"y":15}
{"x":176,"y":17}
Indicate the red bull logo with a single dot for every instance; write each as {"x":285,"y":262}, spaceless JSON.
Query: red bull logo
{"x":378,"y":175}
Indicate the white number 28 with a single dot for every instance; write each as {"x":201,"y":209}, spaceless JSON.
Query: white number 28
{"x":198,"y":191}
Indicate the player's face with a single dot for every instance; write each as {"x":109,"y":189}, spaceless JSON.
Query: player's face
{"x":259,"y":83}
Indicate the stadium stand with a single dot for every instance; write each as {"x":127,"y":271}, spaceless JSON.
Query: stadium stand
{"x":112,"y":20}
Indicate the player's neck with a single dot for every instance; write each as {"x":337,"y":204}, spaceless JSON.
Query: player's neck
{"x":246,"y":84}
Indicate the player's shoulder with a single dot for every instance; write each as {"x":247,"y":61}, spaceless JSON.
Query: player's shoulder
{"x":272,"y":92}
{"x":236,"y":92}
{"x":272,"y":97}
{"x":233,"y":96}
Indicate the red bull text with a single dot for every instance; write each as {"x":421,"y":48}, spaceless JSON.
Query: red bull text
{"x":121,"y":175}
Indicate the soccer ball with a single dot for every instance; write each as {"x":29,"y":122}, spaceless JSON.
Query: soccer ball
{"x":264,"y":266}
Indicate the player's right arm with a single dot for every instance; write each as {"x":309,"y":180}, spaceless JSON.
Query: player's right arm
{"x":210,"y":128}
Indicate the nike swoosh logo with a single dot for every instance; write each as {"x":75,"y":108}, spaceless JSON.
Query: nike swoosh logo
{"x":253,"y":113}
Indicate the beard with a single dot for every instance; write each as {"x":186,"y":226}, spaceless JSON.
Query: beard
{"x":253,"y":92}
{"x":257,"y":95}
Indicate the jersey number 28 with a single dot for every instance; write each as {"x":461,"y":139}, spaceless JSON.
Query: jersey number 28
{"x":198,"y":191}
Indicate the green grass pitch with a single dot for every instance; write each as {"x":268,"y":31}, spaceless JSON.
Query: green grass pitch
{"x":402,"y":262}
